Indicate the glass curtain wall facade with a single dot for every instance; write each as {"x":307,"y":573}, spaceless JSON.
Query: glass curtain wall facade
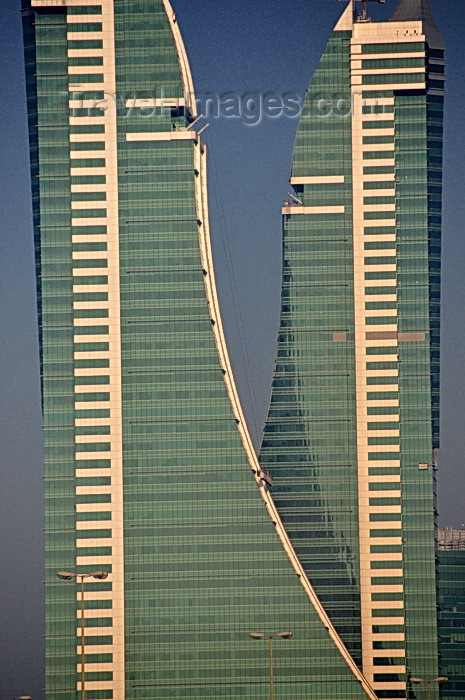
{"x":451,"y":586}
{"x":352,"y":428}
{"x":150,"y":473}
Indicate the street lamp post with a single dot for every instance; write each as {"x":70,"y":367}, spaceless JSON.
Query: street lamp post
{"x":68,"y":576}
{"x":440,"y":679}
{"x":260,"y":635}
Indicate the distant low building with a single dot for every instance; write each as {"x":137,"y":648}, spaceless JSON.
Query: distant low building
{"x":451,"y":538}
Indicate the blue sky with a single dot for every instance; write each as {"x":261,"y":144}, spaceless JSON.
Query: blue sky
{"x":241,"y":47}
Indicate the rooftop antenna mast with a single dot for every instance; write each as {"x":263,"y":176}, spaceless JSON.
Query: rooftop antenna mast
{"x":363,"y":16}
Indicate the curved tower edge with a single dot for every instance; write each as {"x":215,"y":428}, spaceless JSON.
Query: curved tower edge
{"x":220,"y":342}
{"x":184,"y":67}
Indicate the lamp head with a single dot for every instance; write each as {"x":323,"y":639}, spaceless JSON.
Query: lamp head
{"x":441,"y":679}
{"x":65,"y":575}
{"x":256,"y":635}
{"x":99,"y":574}
{"x":284,"y":635}
{"x":416,"y":680}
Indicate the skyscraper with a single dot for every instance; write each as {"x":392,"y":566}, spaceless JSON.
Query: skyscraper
{"x":150,"y":472}
{"x":352,"y":427}
{"x":150,"y":475}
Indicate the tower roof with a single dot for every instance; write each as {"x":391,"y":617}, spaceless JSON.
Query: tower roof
{"x":411,"y":10}
{"x":347,"y":18}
